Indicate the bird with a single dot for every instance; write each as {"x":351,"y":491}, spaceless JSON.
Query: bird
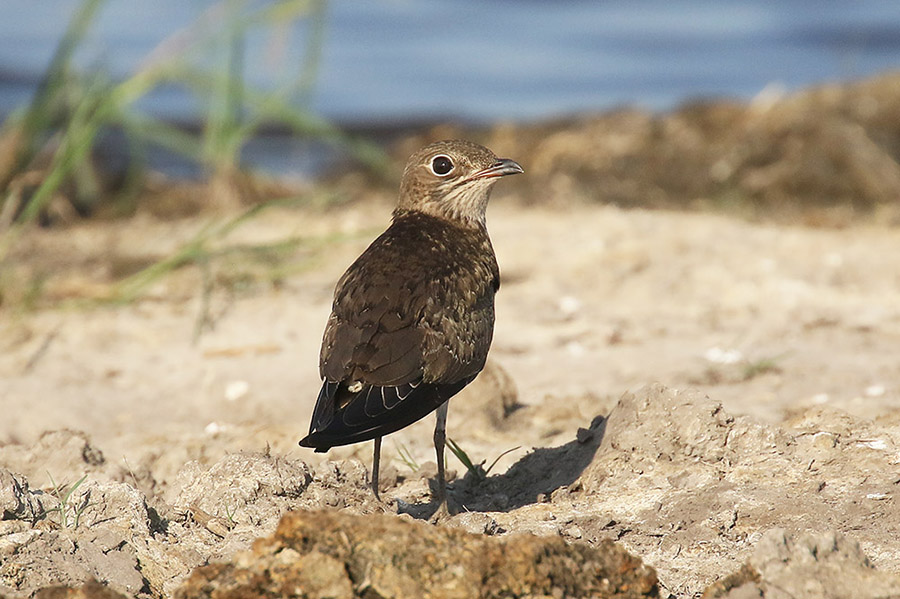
{"x":413,"y":317}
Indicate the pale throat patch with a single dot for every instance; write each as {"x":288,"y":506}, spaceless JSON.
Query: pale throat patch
{"x":467,"y":203}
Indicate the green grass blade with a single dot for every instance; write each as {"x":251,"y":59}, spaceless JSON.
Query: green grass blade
{"x":463,"y":457}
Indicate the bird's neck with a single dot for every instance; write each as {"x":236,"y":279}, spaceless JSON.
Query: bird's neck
{"x":464,"y":219}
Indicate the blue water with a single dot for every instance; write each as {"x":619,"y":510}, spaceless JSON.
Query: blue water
{"x":482,"y":60}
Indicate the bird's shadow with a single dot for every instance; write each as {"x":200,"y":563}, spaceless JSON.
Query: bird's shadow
{"x":533,"y":479}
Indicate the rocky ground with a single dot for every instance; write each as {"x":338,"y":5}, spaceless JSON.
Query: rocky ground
{"x":717,"y":396}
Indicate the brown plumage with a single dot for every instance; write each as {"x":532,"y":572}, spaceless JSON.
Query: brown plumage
{"x":413,"y":316}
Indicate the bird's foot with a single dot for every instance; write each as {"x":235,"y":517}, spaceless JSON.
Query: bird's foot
{"x":446,"y":509}
{"x":442,"y":514}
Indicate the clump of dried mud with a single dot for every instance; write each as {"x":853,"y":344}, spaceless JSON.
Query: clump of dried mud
{"x":330,"y":554}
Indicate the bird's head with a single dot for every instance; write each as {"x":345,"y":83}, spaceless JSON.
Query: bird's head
{"x":452,"y":179}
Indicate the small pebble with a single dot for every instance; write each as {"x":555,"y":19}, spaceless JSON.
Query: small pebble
{"x":875,"y":390}
{"x":235,"y":390}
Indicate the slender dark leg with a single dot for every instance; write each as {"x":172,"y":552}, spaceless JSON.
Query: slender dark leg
{"x":375,"y":463}
{"x":440,"y":437}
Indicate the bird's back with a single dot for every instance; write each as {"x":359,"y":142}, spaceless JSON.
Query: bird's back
{"x":411,"y":325}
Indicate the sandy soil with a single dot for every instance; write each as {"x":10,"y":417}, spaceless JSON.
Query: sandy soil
{"x":792,"y":330}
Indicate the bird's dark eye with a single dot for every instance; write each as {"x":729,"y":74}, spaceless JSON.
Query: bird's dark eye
{"x":441,"y":165}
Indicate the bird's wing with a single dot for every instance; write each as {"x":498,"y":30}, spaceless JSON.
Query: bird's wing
{"x":374,"y":334}
{"x":389,"y":327}
{"x":394,"y":347}
{"x":457,"y":338}
{"x":372,"y":411}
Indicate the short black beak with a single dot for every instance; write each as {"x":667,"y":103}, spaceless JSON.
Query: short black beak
{"x":501,"y":168}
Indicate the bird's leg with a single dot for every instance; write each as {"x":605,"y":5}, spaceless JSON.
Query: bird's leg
{"x":375,"y":463}
{"x":440,"y":437}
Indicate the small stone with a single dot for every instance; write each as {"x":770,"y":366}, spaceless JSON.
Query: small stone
{"x":824,"y":440}
{"x":236,"y":390}
{"x":12,"y":494}
{"x":584,"y":435}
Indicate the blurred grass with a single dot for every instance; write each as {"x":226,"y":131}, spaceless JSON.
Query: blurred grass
{"x":196,"y":250}
{"x":46,"y":149}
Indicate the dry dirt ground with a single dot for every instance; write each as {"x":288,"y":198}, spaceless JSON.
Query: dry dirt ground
{"x":694,"y":386}
{"x":719,"y":397}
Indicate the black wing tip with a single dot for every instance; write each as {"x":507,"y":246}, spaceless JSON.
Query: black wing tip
{"x":310,"y":441}
{"x":326,"y":439}
{"x":418,"y":401}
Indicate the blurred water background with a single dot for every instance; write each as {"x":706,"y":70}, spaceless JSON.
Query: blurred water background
{"x":384,"y":63}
